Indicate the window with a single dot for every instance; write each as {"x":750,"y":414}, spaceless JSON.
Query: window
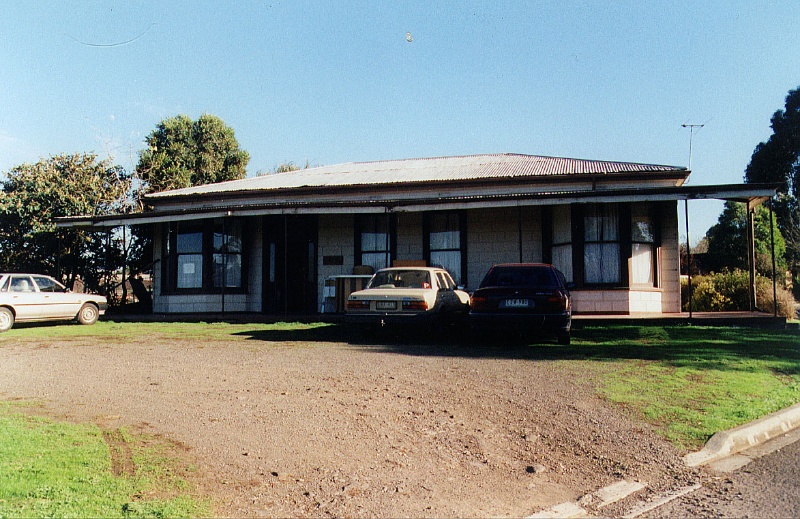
{"x":445,"y":244}
{"x":643,"y":246}
{"x":204,"y":256}
{"x":561,"y":248}
{"x":374,"y":240}
{"x":601,"y":244}
{"x":189,"y":252}
{"x":227,"y":253}
{"x":47,"y":284}
{"x":444,"y":281}
{"x":21,"y":284}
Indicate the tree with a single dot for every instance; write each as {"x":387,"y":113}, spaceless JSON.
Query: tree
{"x":778,"y":160}
{"x":184,"y":153}
{"x":727,"y":241}
{"x":32,"y":195}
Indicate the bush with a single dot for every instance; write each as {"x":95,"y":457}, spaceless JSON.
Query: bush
{"x":728,"y":292}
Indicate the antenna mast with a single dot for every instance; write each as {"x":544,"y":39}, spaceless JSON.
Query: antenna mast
{"x":691,"y":134}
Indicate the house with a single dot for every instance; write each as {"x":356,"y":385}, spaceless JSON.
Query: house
{"x":272,"y":244}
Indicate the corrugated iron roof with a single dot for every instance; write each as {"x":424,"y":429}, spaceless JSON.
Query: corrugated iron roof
{"x":437,"y":169}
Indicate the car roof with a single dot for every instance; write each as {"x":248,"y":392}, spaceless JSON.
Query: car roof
{"x":411,"y":268}
{"x":545,"y":265}
{"x":24,"y":274}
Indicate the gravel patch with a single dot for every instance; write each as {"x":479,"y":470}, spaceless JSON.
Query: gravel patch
{"x":313,"y":429}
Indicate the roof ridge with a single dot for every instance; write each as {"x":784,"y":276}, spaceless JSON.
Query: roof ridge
{"x":501,"y":154}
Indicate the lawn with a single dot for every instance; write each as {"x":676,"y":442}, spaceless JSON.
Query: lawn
{"x":691,"y":381}
{"x":52,"y":468}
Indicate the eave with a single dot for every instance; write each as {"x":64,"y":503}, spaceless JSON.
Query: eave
{"x":751,"y":194}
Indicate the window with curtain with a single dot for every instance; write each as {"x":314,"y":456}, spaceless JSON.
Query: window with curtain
{"x":643,"y":246}
{"x":189,"y":252}
{"x":445,"y":242}
{"x":601,"y":244}
{"x":227,"y":253}
{"x":375,"y":240}
{"x":561,"y":249}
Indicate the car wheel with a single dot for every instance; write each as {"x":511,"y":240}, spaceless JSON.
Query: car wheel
{"x":6,"y":319}
{"x":564,"y":338}
{"x":88,"y":314}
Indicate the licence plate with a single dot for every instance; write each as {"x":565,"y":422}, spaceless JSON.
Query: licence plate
{"x":516,"y":303}
{"x":386,"y":305}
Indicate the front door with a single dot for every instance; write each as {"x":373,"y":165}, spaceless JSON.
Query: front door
{"x":290,"y":266}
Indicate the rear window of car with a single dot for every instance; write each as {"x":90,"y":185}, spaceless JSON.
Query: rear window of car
{"x":540,"y":277}
{"x":401,"y":279}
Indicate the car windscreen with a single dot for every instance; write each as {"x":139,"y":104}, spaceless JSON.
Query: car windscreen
{"x":401,"y":279}
{"x":537,"y":277}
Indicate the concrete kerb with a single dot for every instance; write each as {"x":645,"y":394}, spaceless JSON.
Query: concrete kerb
{"x":727,"y":443}
{"x":596,"y":500}
{"x":721,"y":445}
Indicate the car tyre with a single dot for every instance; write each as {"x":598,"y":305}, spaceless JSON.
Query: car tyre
{"x":564,"y":338}
{"x":6,"y":319}
{"x":88,"y":314}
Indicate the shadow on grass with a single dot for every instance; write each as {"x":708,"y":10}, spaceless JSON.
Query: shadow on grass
{"x":705,"y":348}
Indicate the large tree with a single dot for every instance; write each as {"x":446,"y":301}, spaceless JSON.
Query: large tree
{"x":778,"y":160}
{"x":727,"y":241}
{"x":184,"y":153}
{"x":32,"y":195}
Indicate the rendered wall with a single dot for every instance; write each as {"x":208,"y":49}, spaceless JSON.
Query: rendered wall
{"x":212,"y":303}
{"x":493,"y":236}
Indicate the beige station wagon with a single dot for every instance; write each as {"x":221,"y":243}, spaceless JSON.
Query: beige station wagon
{"x":33,"y":297}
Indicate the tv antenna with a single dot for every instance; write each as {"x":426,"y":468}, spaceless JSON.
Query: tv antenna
{"x":691,"y":135}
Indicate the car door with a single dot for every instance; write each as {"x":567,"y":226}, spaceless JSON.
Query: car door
{"x":447,"y":297}
{"x":56,"y":301}
{"x":22,"y":295}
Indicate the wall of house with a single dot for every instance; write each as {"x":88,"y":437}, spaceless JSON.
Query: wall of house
{"x":212,"y":303}
{"x":409,"y":236}
{"x":670,"y":258}
{"x":493,"y":236}
{"x":666,"y":298}
{"x":335,"y":240}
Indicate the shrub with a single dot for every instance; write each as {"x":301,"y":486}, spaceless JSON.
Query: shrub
{"x":728,"y":291}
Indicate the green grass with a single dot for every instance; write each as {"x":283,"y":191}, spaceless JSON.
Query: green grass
{"x":691,"y":382}
{"x":57,"y":469}
{"x":119,"y":332}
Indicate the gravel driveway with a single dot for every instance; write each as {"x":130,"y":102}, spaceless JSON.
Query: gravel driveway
{"x":285,"y":426}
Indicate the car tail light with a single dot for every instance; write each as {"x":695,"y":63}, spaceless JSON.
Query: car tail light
{"x":355,"y":304}
{"x":415,"y":305}
{"x":478,"y":302}
{"x":560,"y":299}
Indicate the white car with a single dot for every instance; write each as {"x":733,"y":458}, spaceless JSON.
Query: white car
{"x":32,"y":297}
{"x":409,"y":296}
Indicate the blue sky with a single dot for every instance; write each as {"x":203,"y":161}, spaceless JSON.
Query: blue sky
{"x":331,"y":82}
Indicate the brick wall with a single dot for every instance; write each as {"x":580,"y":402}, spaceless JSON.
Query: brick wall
{"x":493,"y":236}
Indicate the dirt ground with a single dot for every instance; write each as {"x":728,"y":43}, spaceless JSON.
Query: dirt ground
{"x":281,"y":425}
